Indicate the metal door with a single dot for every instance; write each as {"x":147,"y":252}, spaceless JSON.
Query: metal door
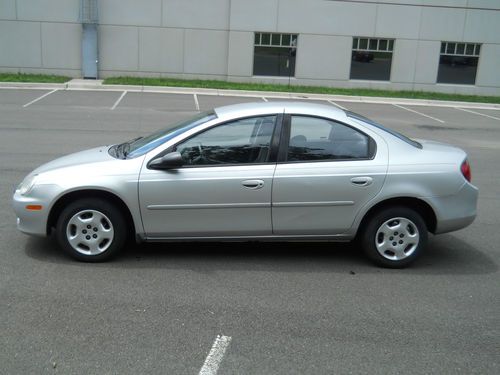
{"x":207,"y":202}
{"x":89,"y":51}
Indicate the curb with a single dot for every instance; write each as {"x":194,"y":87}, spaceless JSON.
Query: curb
{"x":98,"y":86}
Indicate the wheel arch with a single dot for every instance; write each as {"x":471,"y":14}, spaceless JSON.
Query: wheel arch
{"x":419,"y":205}
{"x":72,"y":196}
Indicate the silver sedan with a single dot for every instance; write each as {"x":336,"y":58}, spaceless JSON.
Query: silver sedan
{"x":259,"y":171}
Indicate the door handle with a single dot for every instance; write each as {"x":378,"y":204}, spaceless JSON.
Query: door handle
{"x":253,"y":184}
{"x":361,"y":181}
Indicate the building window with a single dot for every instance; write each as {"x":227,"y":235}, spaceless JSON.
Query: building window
{"x":458,"y":63}
{"x":274,"y":54}
{"x":371,"y":58}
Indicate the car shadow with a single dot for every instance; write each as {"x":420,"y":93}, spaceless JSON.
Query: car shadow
{"x":446,"y":254}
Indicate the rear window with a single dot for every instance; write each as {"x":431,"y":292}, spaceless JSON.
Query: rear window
{"x":396,"y":134}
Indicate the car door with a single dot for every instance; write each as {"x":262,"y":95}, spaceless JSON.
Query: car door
{"x":223,"y":189}
{"x":326,"y":173}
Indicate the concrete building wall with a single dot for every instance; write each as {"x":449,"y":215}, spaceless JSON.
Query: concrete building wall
{"x":215,"y":38}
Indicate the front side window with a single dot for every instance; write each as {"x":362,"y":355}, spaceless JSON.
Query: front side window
{"x":274,"y":54}
{"x":371,"y":59}
{"x":313,"y":138}
{"x":142,"y":145}
{"x":458,"y":63}
{"x":244,"y":141}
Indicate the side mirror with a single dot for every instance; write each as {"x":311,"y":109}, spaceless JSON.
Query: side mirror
{"x":169,"y":161}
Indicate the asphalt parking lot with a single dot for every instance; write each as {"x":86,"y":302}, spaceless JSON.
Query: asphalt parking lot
{"x":287,"y":308}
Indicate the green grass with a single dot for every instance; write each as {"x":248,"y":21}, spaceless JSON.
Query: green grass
{"x":212,"y":84}
{"x":43,"y":78}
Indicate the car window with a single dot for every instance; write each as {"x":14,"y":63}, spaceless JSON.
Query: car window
{"x":142,"y":145}
{"x":313,"y":138}
{"x":396,"y":134}
{"x":243,"y":141}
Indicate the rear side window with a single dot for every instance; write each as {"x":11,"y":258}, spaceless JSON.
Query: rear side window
{"x":315,"y":139}
{"x":396,"y":134}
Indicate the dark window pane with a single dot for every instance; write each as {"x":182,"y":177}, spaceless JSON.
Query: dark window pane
{"x":478,"y":49}
{"x":382,"y":45}
{"x":363,"y":43}
{"x":274,"y":61}
{"x":285,"y":40}
{"x":470,"y":49}
{"x":314,"y":138}
{"x":371,"y":65}
{"x":391,"y":45}
{"x":460,"y":48}
{"x":450,"y":48}
{"x":266,"y":39}
{"x":355,"y":43}
{"x":443,"y":47}
{"x":373,"y":44}
{"x":276,"y":40}
{"x":257,"y":38}
{"x":457,"y":69}
{"x":245,"y":141}
{"x":294,"y":40}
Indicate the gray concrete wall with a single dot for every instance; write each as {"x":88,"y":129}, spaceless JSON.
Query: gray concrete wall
{"x":214,"y":38}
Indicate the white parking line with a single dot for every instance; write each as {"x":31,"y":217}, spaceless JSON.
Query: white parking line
{"x":337,"y":105}
{"x":477,"y":113}
{"x":40,"y":98}
{"x":214,"y":358}
{"x":196,"y":103}
{"x":264,"y":99}
{"x":418,"y":113}
{"x":119,"y":100}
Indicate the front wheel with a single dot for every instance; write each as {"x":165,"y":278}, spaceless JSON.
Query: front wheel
{"x":91,"y":230}
{"x":394,"y":237}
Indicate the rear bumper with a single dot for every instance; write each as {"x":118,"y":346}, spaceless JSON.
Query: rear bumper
{"x":455,"y":211}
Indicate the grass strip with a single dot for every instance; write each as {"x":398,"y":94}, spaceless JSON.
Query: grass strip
{"x":213,"y":84}
{"x":40,"y":78}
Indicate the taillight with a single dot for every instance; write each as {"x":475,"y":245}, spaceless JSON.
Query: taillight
{"x":465,"y":168}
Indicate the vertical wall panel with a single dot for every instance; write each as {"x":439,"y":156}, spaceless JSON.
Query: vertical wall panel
{"x":161,"y":50}
{"x":205,"y":52}
{"x":61,"y":45}
{"x":20,"y":44}
{"x":240,"y":54}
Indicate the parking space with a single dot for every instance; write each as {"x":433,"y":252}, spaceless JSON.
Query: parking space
{"x":324,"y":102}
{"x":158,"y":102}
{"x":19,"y":97}
{"x":212,"y":101}
{"x":287,"y":307}
{"x":463,"y":119}
{"x":74,"y":98}
{"x":490,"y":114}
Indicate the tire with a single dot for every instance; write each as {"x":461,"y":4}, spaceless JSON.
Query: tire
{"x":91,"y":230}
{"x":394,"y":237}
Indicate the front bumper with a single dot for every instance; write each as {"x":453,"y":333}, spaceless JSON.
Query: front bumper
{"x":34,"y":222}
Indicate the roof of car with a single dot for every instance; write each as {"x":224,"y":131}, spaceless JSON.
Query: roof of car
{"x":297,"y":107}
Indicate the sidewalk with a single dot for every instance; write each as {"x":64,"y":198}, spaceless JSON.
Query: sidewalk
{"x":97,"y":85}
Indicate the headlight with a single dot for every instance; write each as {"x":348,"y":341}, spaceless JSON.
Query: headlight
{"x":26,"y":186}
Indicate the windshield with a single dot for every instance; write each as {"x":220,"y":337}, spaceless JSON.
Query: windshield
{"x":403,"y":137}
{"x":140,"y":146}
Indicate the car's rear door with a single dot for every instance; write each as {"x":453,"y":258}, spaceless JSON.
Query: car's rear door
{"x":224,"y":188}
{"x":326,"y":173}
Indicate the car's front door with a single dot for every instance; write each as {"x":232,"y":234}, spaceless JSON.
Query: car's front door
{"x":328,"y":171}
{"x":223,"y":188}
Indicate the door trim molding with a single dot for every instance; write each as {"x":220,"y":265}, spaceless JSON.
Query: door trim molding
{"x":206,"y":206}
{"x":312,"y":204}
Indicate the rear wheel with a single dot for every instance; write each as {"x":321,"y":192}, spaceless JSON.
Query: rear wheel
{"x":91,"y":230}
{"x":394,"y":237}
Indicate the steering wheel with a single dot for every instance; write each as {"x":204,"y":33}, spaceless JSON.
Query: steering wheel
{"x":201,"y":157}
